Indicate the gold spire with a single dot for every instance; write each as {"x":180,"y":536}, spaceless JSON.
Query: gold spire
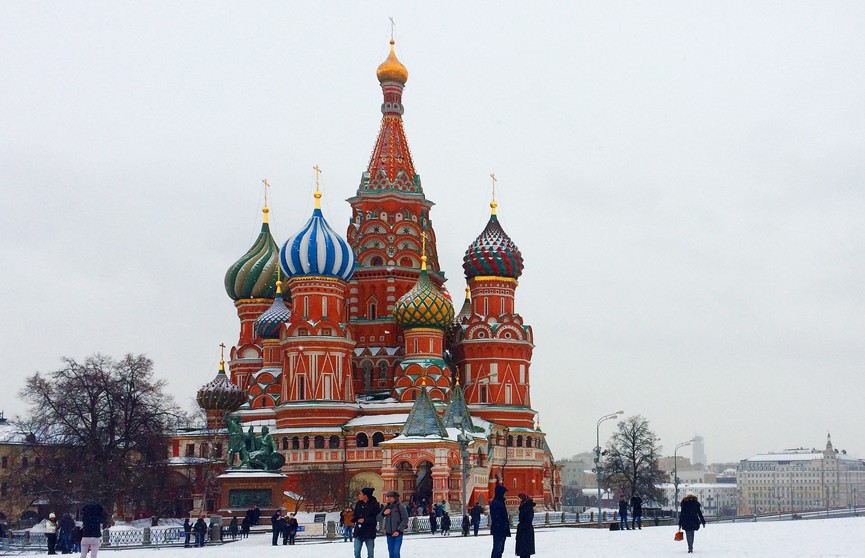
{"x":222,"y":357}
{"x":392,"y":69}
{"x":265,"y":209}
{"x":423,"y":251}
{"x":468,"y":293}
{"x":278,"y":279}
{"x":494,"y":204}
{"x":317,"y":194}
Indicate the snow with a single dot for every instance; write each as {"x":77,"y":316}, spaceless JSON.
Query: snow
{"x":377,"y":420}
{"x":811,"y":538}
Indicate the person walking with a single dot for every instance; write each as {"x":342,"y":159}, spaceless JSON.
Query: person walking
{"x":200,"y":530}
{"x":290,"y":530}
{"x":347,"y":524}
{"x":433,"y":520}
{"x":244,"y":527}
{"x":187,"y":532}
{"x":232,"y":528}
{"x":365,"y":519}
{"x":50,"y":528}
{"x":277,"y":522}
{"x":394,"y":516}
{"x":92,"y":518}
{"x":636,"y":512}
{"x":467,"y":523}
{"x":67,"y":524}
{"x":446,"y":524}
{"x":476,"y":512}
{"x":623,"y":513}
{"x":525,"y":544}
{"x":690,"y":518}
{"x":499,"y":527}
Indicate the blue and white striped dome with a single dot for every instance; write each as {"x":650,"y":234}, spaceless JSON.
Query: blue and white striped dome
{"x":317,"y":250}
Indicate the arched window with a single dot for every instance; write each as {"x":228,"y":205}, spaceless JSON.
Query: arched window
{"x":295,"y":443}
{"x":376,"y":261}
{"x":528,"y":441}
{"x":333,"y":442}
{"x":377,"y":439}
{"x":382,"y":370}
{"x":367,"y":374}
{"x":319,"y":442}
{"x":406,"y":262}
{"x":480,"y":457}
{"x":306,"y":442}
{"x":301,"y":388}
{"x":372,"y":311}
{"x":362,"y":441}
{"x":285,"y":443}
{"x":519,"y":441}
{"x":510,"y":441}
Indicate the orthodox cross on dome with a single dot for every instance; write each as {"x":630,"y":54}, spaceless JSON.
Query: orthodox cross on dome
{"x":494,"y":204}
{"x":423,"y":250}
{"x":392,"y":25}
{"x":317,"y":191}
{"x":222,"y":356}
{"x":265,"y":209}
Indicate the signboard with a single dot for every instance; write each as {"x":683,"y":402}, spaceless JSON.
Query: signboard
{"x":245,"y":497}
{"x":319,"y":518}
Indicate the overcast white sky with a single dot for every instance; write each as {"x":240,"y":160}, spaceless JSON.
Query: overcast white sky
{"x":684,"y":179}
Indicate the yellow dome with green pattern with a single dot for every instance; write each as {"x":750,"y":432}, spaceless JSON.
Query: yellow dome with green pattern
{"x":424,"y":306}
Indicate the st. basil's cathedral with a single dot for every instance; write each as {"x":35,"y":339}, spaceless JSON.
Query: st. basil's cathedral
{"x":351,"y":352}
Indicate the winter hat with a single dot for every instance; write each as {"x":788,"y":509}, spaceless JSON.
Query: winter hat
{"x":51,"y":515}
{"x":392,"y":494}
{"x":367,"y":490}
{"x":691,"y":493}
{"x":522,"y":496}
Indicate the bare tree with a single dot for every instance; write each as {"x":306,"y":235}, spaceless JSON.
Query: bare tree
{"x":101,"y":428}
{"x":323,"y":489}
{"x":631,"y":461}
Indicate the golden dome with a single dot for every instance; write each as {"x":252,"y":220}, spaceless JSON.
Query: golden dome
{"x":392,"y":69}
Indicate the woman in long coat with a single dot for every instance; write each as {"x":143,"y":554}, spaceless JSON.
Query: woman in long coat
{"x":690,"y":518}
{"x":525,"y":530}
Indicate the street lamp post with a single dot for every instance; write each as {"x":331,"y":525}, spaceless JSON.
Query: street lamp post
{"x":676,"y":472}
{"x":464,"y":455}
{"x":598,"y":473}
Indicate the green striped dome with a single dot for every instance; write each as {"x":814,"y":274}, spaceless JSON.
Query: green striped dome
{"x":424,"y":306}
{"x":254,"y":274}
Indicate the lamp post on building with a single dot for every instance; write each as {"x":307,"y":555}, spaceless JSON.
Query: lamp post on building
{"x":464,"y":462}
{"x":598,"y":472}
{"x":676,"y":471}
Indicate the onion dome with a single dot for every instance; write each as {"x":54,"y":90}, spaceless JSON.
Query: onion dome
{"x":493,"y":253}
{"x":317,"y":250}
{"x":392,"y":69}
{"x":254,"y":274}
{"x":267,"y":325}
{"x":221,"y":394}
{"x":424,"y":305}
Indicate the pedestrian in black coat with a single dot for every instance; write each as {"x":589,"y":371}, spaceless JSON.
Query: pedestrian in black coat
{"x":525,"y":527}
{"x":499,"y":526}
{"x":365,"y":519}
{"x":467,"y":523}
{"x":278,"y":523}
{"x":187,"y":532}
{"x":446,"y":523}
{"x":433,"y":525}
{"x":690,"y":518}
{"x":232,"y":528}
{"x":244,"y":527}
{"x":623,"y":513}
{"x":200,"y":530}
{"x":476,"y":512}
{"x":636,"y":512}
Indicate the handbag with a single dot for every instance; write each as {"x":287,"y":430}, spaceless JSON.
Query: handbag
{"x":679,"y":536}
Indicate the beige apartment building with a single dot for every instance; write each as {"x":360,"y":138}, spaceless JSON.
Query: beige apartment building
{"x":800,"y":479}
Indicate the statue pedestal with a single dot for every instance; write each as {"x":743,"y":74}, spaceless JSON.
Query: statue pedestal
{"x":241,"y":488}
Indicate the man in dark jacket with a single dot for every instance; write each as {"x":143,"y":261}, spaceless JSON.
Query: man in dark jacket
{"x":690,"y":518}
{"x":278,"y":522}
{"x":67,"y":524}
{"x":200,"y":530}
{"x":187,"y":532}
{"x":395,"y":518}
{"x":636,"y":512}
{"x":365,"y":519}
{"x":499,"y":526}
{"x":476,"y":512}
{"x":623,"y":513}
{"x":92,"y":518}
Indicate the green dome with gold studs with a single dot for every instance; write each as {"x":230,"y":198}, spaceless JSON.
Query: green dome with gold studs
{"x":424,"y":306}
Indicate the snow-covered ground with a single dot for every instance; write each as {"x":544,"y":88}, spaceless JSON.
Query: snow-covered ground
{"x":807,"y":539}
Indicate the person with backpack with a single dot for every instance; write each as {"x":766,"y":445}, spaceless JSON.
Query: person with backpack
{"x":395,"y":517}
